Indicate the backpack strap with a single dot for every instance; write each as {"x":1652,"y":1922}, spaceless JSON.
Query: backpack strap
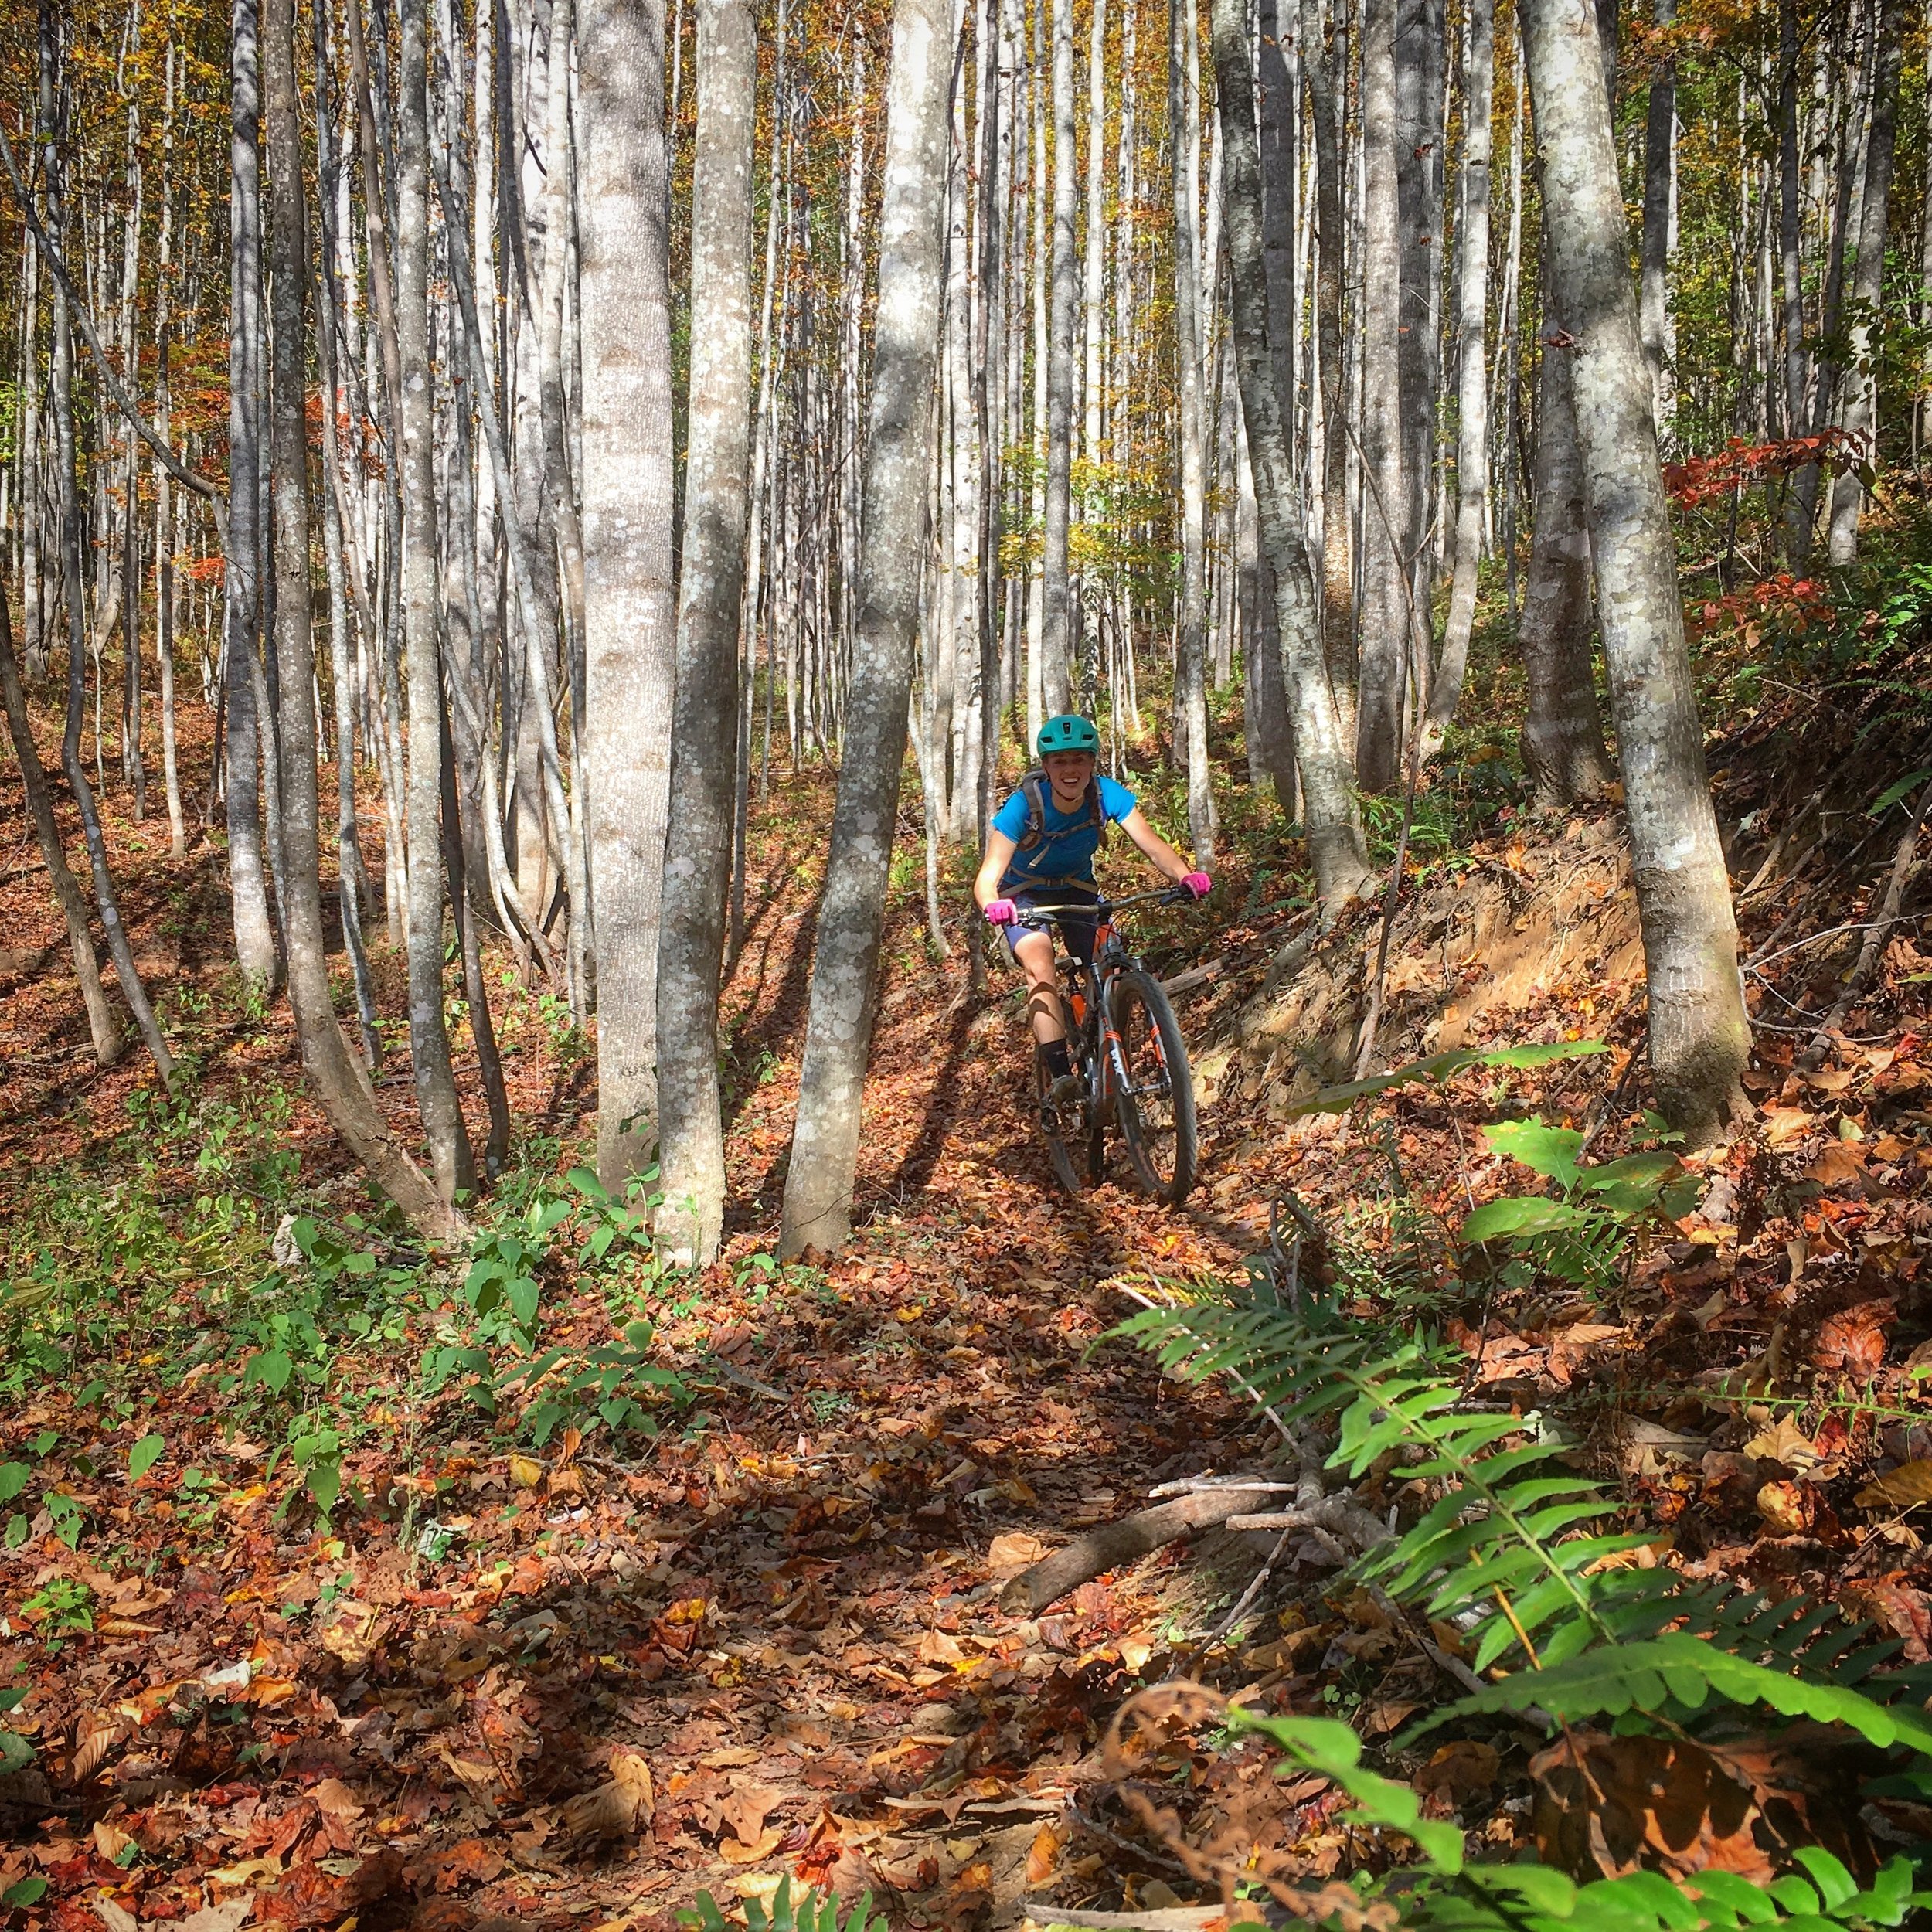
{"x":1033,"y":790}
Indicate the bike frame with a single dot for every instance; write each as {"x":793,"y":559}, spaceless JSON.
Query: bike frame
{"x":1094,"y":1028}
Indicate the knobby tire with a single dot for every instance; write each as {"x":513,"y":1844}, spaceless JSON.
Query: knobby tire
{"x":1157,"y":1123}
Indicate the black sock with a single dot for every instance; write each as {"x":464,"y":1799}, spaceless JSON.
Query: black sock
{"x":1058,"y":1064}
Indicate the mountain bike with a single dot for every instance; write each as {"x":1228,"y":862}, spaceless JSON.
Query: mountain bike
{"x":1126,"y":1047}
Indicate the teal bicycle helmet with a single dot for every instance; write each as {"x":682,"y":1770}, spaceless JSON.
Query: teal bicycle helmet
{"x":1066,"y":732}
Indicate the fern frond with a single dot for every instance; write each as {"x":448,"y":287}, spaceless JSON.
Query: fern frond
{"x":1516,"y":1898}
{"x":1686,"y":1670}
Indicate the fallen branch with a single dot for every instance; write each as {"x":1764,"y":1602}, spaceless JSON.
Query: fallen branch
{"x":1125,"y":1542}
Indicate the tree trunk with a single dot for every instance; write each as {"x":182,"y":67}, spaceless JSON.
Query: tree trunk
{"x":1472,"y":421}
{"x":1699,"y":1037}
{"x":247,"y":879}
{"x":1385,"y":602}
{"x":451,"y":1158}
{"x":339,"y":1085}
{"x":824,"y":1150}
{"x":630,"y":595}
{"x":1330,"y":813}
{"x":1562,"y":734}
{"x":1660,"y":173}
{"x":108,"y":1043}
{"x":1421,"y":39}
{"x":1337,"y":568}
{"x":1190,"y":662}
{"x":704,"y":734}
{"x":1056,"y":631}
{"x":1858,"y":414}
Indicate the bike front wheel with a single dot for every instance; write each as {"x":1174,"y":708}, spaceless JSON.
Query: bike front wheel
{"x":1154,"y":1104}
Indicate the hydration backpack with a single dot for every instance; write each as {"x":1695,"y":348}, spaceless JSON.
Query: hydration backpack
{"x":1034,"y":787}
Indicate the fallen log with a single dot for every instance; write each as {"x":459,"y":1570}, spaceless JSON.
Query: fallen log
{"x":1125,"y":1542}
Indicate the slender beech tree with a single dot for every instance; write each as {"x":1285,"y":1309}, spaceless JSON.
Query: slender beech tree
{"x":241,"y":751}
{"x":1858,"y":411}
{"x":108,"y":1046}
{"x":1385,"y":595}
{"x":825,"y":1147}
{"x":1660,"y":179}
{"x":629,"y":593}
{"x":1472,"y":387}
{"x":1330,"y":814}
{"x":1563,"y":732}
{"x":451,"y":1158}
{"x":1190,"y":661}
{"x":697,"y":860}
{"x":1699,"y":1036}
{"x":1056,"y":647}
{"x":339,"y":1083}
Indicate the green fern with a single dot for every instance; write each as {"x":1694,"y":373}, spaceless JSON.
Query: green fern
{"x":808,"y":1912}
{"x":1533,"y":1899}
{"x":1514,"y":1540}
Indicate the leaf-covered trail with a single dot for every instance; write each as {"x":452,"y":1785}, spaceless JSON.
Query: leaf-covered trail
{"x":576,"y":1685}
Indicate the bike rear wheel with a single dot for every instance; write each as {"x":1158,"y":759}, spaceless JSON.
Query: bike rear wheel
{"x":1059,"y":1128}
{"x":1155,"y":1107}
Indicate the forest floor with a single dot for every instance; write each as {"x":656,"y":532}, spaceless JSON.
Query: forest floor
{"x":575,"y":1680}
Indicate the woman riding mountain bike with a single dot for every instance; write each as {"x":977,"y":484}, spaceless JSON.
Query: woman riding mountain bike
{"x":1039,"y":853}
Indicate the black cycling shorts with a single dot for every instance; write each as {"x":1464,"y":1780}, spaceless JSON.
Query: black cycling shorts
{"x":1076,"y":934}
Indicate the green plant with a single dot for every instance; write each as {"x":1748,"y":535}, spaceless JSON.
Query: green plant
{"x":62,"y":1602}
{"x":16,"y":1753}
{"x":1582,"y":1234}
{"x":808,"y":1913}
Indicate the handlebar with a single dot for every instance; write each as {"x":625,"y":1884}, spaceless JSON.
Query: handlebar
{"x":1039,"y":917}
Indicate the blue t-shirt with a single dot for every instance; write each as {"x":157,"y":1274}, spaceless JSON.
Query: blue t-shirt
{"x":1067,"y":852}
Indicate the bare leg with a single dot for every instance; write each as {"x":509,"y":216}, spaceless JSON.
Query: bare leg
{"x":1035,"y":953}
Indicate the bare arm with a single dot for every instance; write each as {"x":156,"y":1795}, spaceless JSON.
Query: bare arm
{"x":992,"y":868}
{"x":1160,"y":854}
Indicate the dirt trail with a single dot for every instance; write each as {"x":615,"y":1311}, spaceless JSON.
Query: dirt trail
{"x":577,"y":1688}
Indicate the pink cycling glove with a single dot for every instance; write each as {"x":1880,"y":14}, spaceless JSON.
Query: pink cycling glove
{"x":1198,"y":883}
{"x":1001,"y":912}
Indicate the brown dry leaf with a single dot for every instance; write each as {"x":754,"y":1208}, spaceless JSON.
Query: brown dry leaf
{"x":125,"y":1626}
{"x":1043,"y":1855}
{"x":470,"y":1861}
{"x":746,"y":1809}
{"x":731,"y":1758}
{"x":614,"y":1809}
{"x":115,"y":1916}
{"x":1829,"y":1080}
{"x":1853,"y":1340}
{"x":258,"y":1872}
{"x":937,"y":1648}
{"x":1784,"y":1442}
{"x":340,"y":1808}
{"x":1459,"y":1772}
{"x":351,"y":1632}
{"x":95,"y":1740}
{"x":1900,"y":1488}
{"x":1007,"y":1555}
{"x":111,"y":1841}
{"x":1608,"y":1806}
{"x":1786,"y":1507}
{"x":1785,"y":1124}
{"x":1841,"y":1164}
{"x":734,"y":1852}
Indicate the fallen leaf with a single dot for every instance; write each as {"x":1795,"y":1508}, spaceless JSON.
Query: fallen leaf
{"x":111,"y":1841}
{"x":1853,"y":1340}
{"x":1043,"y":1855}
{"x":1842,"y":1163}
{"x":115,"y":1916}
{"x":1786,"y":1507}
{"x":745,"y":1812}
{"x":1784,"y":1442}
{"x":1900,"y":1488}
{"x":1457,"y":1772}
{"x":1007,"y":1555}
{"x":735,"y":1851}
{"x":1785,"y":1124}
{"x":526,"y":1471}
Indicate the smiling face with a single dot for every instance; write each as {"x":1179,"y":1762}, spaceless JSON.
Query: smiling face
{"x":1068,"y":772}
